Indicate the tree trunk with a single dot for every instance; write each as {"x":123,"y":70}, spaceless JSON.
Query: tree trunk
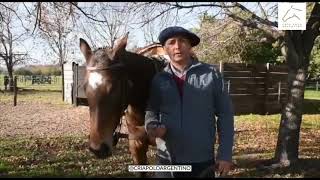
{"x":62,"y":79}
{"x":287,"y":149}
{"x":10,"y":74}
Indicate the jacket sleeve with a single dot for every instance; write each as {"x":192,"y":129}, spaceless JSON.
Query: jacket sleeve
{"x":153,"y":105}
{"x":225,"y":119}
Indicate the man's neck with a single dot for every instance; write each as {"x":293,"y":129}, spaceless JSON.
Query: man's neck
{"x":181,"y":66}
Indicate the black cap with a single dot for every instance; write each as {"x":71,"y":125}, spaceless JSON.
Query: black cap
{"x":176,"y":30}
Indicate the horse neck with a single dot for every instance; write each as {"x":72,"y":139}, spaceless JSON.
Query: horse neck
{"x":138,"y":66}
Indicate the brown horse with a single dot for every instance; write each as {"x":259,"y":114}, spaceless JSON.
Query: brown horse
{"x":117,"y":80}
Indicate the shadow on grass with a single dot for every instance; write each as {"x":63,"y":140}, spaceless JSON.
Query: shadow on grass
{"x":308,"y":168}
{"x":311,"y":106}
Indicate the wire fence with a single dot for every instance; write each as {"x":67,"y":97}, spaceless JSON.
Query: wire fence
{"x":37,"y":82}
{"x":313,"y":85}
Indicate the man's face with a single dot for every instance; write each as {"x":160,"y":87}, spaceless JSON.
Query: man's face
{"x":178,"y":48}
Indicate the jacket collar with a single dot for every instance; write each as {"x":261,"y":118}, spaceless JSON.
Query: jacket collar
{"x":194,"y":63}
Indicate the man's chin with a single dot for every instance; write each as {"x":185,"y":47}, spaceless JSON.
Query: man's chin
{"x":178,"y":59}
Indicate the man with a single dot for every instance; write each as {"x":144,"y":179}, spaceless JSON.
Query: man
{"x":184,"y":100}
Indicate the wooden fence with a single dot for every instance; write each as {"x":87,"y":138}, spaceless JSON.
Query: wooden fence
{"x":254,"y":88}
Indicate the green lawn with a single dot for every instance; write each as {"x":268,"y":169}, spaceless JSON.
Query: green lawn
{"x":27,"y":95}
{"x":69,"y":157}
{"x":255,"y":140}
{"x":312,"y":94}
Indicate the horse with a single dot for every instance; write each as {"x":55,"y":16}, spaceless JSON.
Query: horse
{"x":117,"y":84}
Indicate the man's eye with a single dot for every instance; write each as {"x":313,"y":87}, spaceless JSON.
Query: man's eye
{"x":183,"y":40}
{"x":171,"y":42}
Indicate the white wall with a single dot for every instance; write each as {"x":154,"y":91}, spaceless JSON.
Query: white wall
{"x":68,"y":81}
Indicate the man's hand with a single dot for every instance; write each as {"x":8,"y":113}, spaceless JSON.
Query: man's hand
{"x":157,"y":130}
{"x":223,"y":167}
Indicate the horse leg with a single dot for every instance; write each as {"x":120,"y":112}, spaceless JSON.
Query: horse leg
{"x":138,"y":150}
{"x":138,"y":144}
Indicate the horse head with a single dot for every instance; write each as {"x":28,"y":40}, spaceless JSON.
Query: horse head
{"x":102,"y":85}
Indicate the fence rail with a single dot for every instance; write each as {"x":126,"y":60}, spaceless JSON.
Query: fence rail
{"x":35,"y":82}
{"x":313,"y":85}
{"x":255,"y":88}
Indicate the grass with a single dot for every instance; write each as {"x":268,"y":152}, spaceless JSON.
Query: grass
{"x":26,"y":95}
{"x":312,"y":94}
{"x":255,"y":140}
{"x":58,"y":157}
{"x":69,"y":157}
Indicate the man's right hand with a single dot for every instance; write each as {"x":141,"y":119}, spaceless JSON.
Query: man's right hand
{"x":157,"y":130}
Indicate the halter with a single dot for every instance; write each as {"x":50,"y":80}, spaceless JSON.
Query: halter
{"x":113,"y":66}
{"x":125,"y":89}
{"x":124,"y":103}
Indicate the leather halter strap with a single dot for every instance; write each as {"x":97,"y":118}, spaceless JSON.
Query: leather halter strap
{"x":118,"y":65}
{"x":124,"y":103}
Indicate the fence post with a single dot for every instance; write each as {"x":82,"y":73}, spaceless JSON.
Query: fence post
{"x":221,"y":68}
{"x":229,"y":86}
{"x":15,"y":91}
{"x":317,"y":85}
{"x":279,"y":91}
{"x":266,"y":88}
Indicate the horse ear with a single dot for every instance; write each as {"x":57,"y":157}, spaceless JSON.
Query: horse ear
{"x":85,"y":49}
{"x":121,"y":45}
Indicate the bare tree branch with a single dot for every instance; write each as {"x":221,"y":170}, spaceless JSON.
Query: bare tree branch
{"x":38,"y":7}
{"x":212,"y":4}
{"x":254,"y":16}
{"x":15,"y":12}
{"x":263,"y":11}
{"x":155,"y":17}
{"x":8,"y":8}
{"x":90,"y":16}
{"x":26,"y":8}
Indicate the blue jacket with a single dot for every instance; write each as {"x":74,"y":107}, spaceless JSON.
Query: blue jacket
{"x":190,"y":121}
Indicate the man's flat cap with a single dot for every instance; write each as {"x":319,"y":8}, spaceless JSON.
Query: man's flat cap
{"x":176,"y":30}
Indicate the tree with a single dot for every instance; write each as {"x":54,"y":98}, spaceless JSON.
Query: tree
{"x":11,"y":37}
{"x":116,"y":22}
{"x":223,"y":40}
{"x":314,"y":69}
{"x":295,"y":46}
{"x":56,"y":27}
{"x":56,"y":22}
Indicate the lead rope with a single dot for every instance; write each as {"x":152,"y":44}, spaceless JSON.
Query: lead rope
{"x":124,"y":85}
{"x":159,"y":141}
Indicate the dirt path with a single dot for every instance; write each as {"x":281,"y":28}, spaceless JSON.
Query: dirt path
{"x":35,"y":119}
